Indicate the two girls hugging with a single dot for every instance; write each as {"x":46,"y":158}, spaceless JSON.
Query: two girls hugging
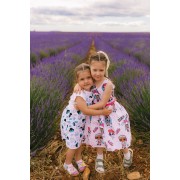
{"x":94,"y":117}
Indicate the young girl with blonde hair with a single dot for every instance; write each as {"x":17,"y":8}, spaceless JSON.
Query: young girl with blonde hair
{"x":110,"y":132}
{"x":74,"y":118}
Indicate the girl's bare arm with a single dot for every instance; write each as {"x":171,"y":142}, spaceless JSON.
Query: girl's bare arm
{"x":82,"y":106}
{"x":77,"y":88}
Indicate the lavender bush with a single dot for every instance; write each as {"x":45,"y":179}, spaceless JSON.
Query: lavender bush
{"x":46,"y":44}
{"x":131,"y":78}
{"x":51,"y":83}
{"x":132,"y":44}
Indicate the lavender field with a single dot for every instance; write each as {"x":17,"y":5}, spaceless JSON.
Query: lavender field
{"x":51,"y":81}
{"x":53,"y":57}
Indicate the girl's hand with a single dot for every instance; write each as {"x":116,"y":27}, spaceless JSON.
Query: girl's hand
{"x":77,"y":88}
{"x":106,"y":112}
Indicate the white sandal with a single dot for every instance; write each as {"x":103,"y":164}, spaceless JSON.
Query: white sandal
{"x":128,"y":162}
{"x":71,"y":169}
{"x":99,"y":164}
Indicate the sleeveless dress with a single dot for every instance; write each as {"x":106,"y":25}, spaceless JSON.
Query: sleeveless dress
{"x":111,"y":132}
{"x":72,"y":123}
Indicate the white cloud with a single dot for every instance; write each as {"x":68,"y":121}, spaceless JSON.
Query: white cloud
{"x":86,"y":12}
{"x":133,"y":23}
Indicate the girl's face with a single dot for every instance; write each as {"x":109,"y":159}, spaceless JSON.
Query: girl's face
{"x":85,"y":80}
{"x":98,"y":69}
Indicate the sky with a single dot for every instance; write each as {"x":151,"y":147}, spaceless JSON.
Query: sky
{"x":90,"y":15}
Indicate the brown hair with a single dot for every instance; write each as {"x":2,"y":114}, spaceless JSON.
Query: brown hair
{"x":81,"y":67}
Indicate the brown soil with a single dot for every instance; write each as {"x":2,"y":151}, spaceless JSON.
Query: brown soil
{"x":47,"y":164}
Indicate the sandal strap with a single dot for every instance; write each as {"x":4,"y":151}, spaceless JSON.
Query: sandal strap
{"x":99,"y":163}
{"x":98,"y":166}
{"x":71,"y":169}
{"x":131,"y":151}
{"x":128,"y":162}
{"x":81,"y":163}
{"x":99,"y":160}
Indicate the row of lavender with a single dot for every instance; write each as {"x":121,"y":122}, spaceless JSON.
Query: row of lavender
{"x":133,"y":44}
{"x":51,"y":79}
{"x":47,"y":44}
{"x":51,"y":83}
{"x":130,"y":75}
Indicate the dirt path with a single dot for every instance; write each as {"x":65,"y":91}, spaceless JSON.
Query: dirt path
{"x":48,"y":163}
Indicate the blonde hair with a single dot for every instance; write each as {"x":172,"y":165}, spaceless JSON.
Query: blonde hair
{"x":81,"y":67}
{"x":100,"y":56}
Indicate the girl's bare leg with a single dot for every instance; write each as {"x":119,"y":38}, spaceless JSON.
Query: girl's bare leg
{"x":68,"y":162}
{"x":99,"y":151}
{"x":79,"y":161}
{"x":78,"y":152}
{"x":69,"y":155}
{"x":125,"y":150}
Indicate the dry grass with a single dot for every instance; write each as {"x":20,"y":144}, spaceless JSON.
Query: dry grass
{"x":47,"y":164}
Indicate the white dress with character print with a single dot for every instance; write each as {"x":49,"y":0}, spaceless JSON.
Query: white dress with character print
{"x":72,"y":123}
{"x":111,"y":132}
